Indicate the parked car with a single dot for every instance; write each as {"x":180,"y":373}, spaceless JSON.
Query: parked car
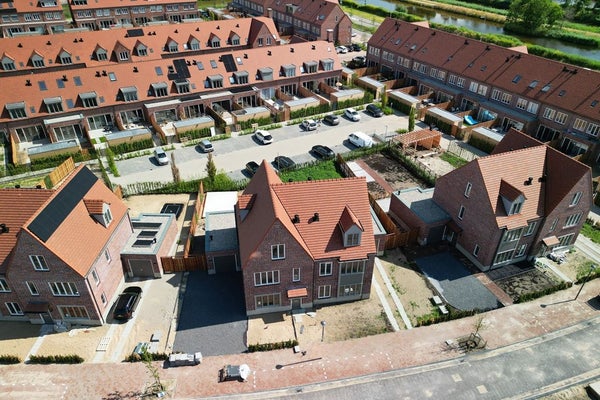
{"x":374,"y":110}
{"x":161,"y":156}
{"x":331,"y":119}
{"x":127,"y":303}
{"x":323,"y":152}
{"x":360,"y":139}
{"x":360,"y":60}
{"x":206,"y":146}
{"x":251,"y":167}
{"x":309,"y":125}
{"x":283,"y":162}
{"x":356,"y":47}
{"x":341,"y":49}
{"x":263,"y":137}
{"x":352,"y":114}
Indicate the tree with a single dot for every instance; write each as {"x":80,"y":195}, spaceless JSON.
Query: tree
{"x":411,"y":119}
{"x":532,"y":15}
{"x":211,"y":168}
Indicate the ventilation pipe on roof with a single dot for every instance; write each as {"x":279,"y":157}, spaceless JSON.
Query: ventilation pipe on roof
{"x":296,"y":219}
{"x":529,"y":181}
{"x":316,"y":217}
{"x":3,"y":228}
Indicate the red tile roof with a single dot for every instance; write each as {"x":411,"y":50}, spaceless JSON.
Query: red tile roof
{"x":91,"y":4}
{"x":278,"y":202}
{"x":94,"y":206}
{"x":18,"y":206}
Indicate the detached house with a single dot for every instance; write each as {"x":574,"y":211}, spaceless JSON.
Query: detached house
{"x":522,"y":201}
{"x":60,"y":251}
{"x":304,"y":243}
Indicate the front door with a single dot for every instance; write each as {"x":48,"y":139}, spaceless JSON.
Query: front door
{"x":296,"y":304}
{"x":47,"y":318}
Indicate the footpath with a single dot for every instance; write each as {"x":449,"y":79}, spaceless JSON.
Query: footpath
{"x":324,"y":363}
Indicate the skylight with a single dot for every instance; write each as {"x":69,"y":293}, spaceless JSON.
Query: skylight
{"x":546,"y":88}
{"x":516,"y":79}
{"x":533,"y":84}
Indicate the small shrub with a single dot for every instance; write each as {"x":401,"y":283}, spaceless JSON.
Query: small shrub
{"x":534,"y":295}
{"x":146,"y":356}
{"x":6,"y":359}
{"x":56,"y":359}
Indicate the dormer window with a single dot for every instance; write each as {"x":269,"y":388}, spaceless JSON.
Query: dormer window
{"x":215,"y":81}
{"x":107,"y":215}
{"x":172,"y":46}
{"x":160,"y":89}
{"x":215,"y":42}
{"x":16,"y":110}
{"x":241,"y":77}
{"x":65,"y":58}
{"x":512,"y":198}
{"x":37,"y":61}
{"x":53,"y":104}
{"x":99,"y":210}
{"x":89,"y":99}
{"x":327,"y":64}
{"x":101,"y":55}
{"x":351,"y":228}
{"x":8,"y":64}
{"x":123,"y":55}
{"x":182,"y":86}
{"x":310,"y":67}
{"x":234,"y":40}
{"x":288,"y":70}
{"x":129,"y":93}
{"x":266,"y":74}
{"x":194,"y":44}
{"x":515,"y":207}
{"x":141,"y":50}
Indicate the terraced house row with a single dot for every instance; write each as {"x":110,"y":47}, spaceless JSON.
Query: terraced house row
{"x":501,"y":88}
{"x":60,"y":89}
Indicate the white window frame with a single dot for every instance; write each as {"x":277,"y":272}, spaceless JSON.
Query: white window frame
{"x":352,"y":239}
{"x":504,"y":256}
{"x":461,"y":212}
{"x":565,"y":240}
{"x":521,"y":250}
{"x":95,"y":277}
{"x":553,"y":225}
{"x":278,"y":252}
{"x":530,"y":228}
{"x":295,"y":274}
{"x":32,"y":288}
{"x":63,"y":289}
{"x":324,"y":292}
{"x":476,"y":250}
{"x":325,"y":268}
{"x":39,"y":263}
{"x":73,"y":312}
{"x":352,"y":267}
{"x":13,"y":308}
{"x":468,"y":189}
{"x":4,"y":288}
{"x":512,"y":235}
{"x":575,"y":199}
{"x":107,"y":256}
{"x":265,"y":278}
{"x":272,"y":300}
{"x":573,"y":220}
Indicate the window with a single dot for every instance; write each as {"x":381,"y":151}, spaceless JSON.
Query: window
{"x":560,"y":118}
{"x":565,"y":240}
{"x":553,"y":226}
{"x":14,"y":308}
{"x":352,"y":267}
{"x":278,"y":252}
{"x":532,"y":107}
{"x":324,"y":291}
{"x":4,"y":285}
{"x":295,"y":274}
{"x":183,"y":87}
{"x":325,"y":268}
{"x":352,"y":239}
{"x":288,"y":70}
{"x":73,"y":312}
{"x":260,"y":41}
{"x":575,"y":199}
{"x":593,"y":129}
{"x":215,"y":42}
{"x":504,"y":256}
{"x":549,"y":113}
{"x":215,"y":81}
{"x":327,"y":64}
{"x":63,"y":289}
{"x":267,"y":300}
{"x":351,"y":290}
{"x":521,"y":250}
{"x":460,"y":82}
{"x":107,"y":216}
{"x":266,"y":278}
{"x":16,"y":110}
{"x":65,"y":58}
{"x":476,"y":250}
{"x":521,"y":103}
{"x":8,"y":64}
{"x":530,"y":228}
{"x":95,"y":277}
{"x":142,"y":51}
{"x":241,"y":77}
{"x":101,"y":55}
{"x":107,"y":255}
{"x":468,"y":189}
{"x":461,"y":212}
{"x":573,"y":220}
{"x":89,"y":99}
{"x":160,"y":89}
{"x":37,"y":61}
{"x":512,"y":235}
{"x":172,"y":47}
{"x":103,"y":298}
{"x":123,"y":55}
{"x":129,"y":93}
{"x":39,"y":263}
{"x":32,"y":289}
{"x":515,"y":208}
{"x":53,"y":104}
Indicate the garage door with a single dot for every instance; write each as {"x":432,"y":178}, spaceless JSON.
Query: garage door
{"x":141,"y":269}
{"x":224,"y":264}
{"x":436,"y":235}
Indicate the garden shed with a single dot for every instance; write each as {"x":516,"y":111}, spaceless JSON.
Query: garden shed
{"x":425,"y":138}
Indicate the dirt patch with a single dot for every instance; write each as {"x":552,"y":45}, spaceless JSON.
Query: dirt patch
{"x":530,"y":281}
{"x":17,"y":338}
{"x":392,"y":172}
{"x":575,"y":264}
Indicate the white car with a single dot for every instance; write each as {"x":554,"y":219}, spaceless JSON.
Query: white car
{"x":352,"y":114}
{"x":341,"y":49}
{"x":263,"y":137}
{"x":309,"y":125}
{"x":161,"y":156}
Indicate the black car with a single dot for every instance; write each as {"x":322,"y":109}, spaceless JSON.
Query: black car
{"x":283,"y":162}
{"x":374,"y":110}
{"x":127,"y":302}
{"x":251,"y":167}
{"x":323,"y":152}
{"x":331,"y":119}
{"x":356,"y":47}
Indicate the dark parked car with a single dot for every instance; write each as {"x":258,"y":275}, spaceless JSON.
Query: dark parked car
{"x":356,"y":47}
{"x":251,"y":167}
{"x":127,"y":302}
{"x":331,"y":119}
{"x":323,"y":152}
{"x":374,"y":110}
{"x":283,"y":162}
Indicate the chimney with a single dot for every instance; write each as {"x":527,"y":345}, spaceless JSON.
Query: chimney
{"x":529,"y":181}
{"x":3,"y":228}
{"x":296,"y":219}
{"x":316,"y":217}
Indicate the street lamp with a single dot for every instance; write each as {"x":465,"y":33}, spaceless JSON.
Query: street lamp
{"x":323,"y":323}
{"x":587,"y":277}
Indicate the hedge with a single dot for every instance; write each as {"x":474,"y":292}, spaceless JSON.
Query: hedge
{"x":288,"y":344}
{"x":146,"y":356}
{"x":56,"y":359}
{"x":129,"y":147}
{"x":452,"y":314}
{"x":6,"y":359}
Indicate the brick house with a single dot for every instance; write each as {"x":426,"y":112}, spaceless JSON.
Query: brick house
{"x":108,"y":14}
{"x":522,"y":201}
{"x":304,"y":243}
{"x":498,"y":87}
{"x":60,"y":251}
{"x":31,"y":17}
{"x":309,"y":19}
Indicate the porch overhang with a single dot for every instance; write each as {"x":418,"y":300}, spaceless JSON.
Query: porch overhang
{"x":295,"y":293}
{"x":550,"y":241}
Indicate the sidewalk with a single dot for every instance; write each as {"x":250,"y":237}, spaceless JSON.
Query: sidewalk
{"x":324,"y":362}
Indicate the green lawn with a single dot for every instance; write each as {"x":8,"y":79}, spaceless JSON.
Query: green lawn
{"x":591,"y":232}
{"x":318,"y":171}
{"x":452,"y":159}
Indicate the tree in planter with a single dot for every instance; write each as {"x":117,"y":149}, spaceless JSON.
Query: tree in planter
{"x":157,"y":386}
{"x":211,"y":168}
{"x":175,"y":169}
{"x":411,"y":119}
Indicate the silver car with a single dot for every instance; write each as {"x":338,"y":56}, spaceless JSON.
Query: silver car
{"x":161,"y":156}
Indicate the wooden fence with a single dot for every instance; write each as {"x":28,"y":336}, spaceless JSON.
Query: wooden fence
{"x":59,"y":173}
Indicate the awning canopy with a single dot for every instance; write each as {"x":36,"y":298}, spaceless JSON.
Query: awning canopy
{"x":294,"y":293}
{"x":36,"y":307}
{"x":550,"y":241}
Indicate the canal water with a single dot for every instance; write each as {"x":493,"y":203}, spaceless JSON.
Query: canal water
{"x":484,"y":26}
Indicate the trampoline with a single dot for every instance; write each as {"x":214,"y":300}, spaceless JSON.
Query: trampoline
{"x":172,"y":208}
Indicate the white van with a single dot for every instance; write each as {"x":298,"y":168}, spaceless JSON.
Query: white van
{"x":360,"y":139}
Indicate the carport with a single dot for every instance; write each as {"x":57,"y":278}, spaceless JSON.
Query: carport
{"x":425,"y":138}
{"x":221,"y":245}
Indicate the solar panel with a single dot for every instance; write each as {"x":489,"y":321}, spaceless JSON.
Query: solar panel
{"x":181,"y":70}
{"x":149,"y":234}
{"x":53,"y":215}
{"x":142,"y":225}
{"x":143,"y":243}
{"x":229,"y":62}
{"x":135,"y":32}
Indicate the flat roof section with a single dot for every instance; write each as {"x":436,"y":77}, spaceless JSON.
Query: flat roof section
{"x":219,"y":202}
{"x":420,"y":201}
{"x":149,"y":232}
{"x":221,"y":232}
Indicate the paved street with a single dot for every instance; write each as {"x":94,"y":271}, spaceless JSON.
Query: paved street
{"x":231,"y":155}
